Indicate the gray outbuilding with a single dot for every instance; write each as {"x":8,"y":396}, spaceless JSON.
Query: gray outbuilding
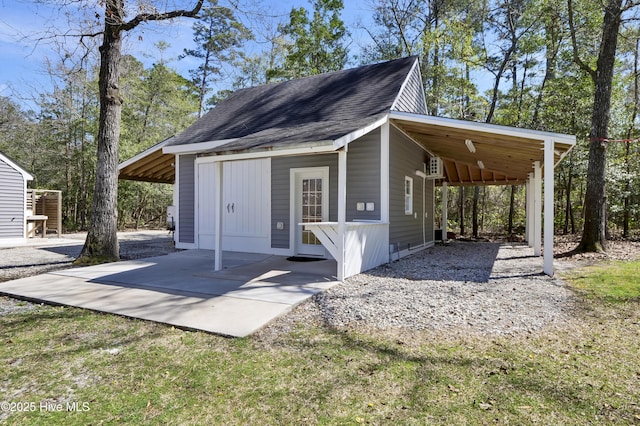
{"x":13,"y":200}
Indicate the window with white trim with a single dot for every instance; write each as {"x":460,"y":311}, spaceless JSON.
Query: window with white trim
{"x":408,"y":195}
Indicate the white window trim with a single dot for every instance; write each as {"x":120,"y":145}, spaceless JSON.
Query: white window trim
{"x":322,"y":171}
{"x":408,"y":197}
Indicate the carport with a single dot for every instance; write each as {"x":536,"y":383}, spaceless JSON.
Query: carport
{"x":484,"y":154}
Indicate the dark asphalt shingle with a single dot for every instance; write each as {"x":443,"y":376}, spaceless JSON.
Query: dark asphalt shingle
{"x":317,"y":108}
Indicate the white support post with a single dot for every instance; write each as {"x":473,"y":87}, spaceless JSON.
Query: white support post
{"x":527,"y":206}
{"x":342,"y":211}
{"x":445,"y":196}
{"x":384,"y":173}
{"x":218,"y":216}
{"x":537,"y":209}
{"x":529,"y":229}
{"x":176,"y":198}
{"x":548,"y":206}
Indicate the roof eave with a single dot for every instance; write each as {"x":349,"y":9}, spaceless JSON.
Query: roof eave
{"x":484,"y":127}
{"x":350,"y":137}
{"x":195,"y":148}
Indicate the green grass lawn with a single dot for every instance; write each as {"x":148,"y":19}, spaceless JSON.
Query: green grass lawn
{"x":612,"y":281}
{"x":122,"y":371}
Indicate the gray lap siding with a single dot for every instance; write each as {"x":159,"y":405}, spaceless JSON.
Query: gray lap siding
{"x":363,"y":176}
{"x":12,"y":202}
{"x":186,"y":201}
{"x":280,"y":191}
{"x":363,"y":184}
{"x":405,"y":157}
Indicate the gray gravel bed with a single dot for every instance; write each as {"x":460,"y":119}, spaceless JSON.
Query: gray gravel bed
{"x":462,"y":287}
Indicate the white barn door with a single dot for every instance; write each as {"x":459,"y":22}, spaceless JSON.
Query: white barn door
{"x":246,"y":205}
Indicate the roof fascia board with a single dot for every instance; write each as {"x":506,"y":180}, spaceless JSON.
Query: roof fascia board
{"x":25,"y":174}
{"x":350,"y":137}
{"x":321,"y":149}
{"x":195,"y":148}
{"x":484,"y":127}
{"x":406,"y":82}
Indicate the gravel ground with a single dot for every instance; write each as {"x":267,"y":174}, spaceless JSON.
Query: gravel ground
{"x":463,"y":287}
{"x":478,"y":288}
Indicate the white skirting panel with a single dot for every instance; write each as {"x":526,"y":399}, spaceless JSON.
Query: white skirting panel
{"x":366,"y":243}
{"x":367,"y":246}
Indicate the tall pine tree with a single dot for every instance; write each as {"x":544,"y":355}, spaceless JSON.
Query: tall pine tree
{"x":219,"y":36}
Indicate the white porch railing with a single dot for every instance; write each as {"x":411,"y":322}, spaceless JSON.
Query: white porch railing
{"x":366,"y":244}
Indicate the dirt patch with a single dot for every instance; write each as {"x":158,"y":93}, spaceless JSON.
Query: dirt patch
{"x":617,"y":249}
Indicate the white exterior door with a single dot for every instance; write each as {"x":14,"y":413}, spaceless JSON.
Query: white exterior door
{"x":311,"y":204}
{"x":246,"y":205}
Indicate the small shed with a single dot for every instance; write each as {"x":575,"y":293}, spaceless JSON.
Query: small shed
{"x":13,"y":200}
{"x":341,"y":165}
{"x":44,"y":212}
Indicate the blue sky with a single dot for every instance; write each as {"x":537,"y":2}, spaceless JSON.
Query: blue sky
{"x":23,"y":60}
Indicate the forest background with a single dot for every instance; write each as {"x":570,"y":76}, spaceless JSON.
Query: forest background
{"x":510,"y":62}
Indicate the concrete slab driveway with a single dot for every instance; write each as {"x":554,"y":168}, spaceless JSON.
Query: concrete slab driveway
{"x":183,"y":290}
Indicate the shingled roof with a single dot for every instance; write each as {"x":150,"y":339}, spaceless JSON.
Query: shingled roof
{"x":313,"y":109}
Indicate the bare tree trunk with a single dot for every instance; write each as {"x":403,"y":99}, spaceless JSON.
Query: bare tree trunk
{"x":474,"y":211}
{"x":102,"y":239}
{"x":627,"y":194}
{"x":512,"y":202}
{"x":568,"y":211}
{"x":594,"y":232}
{"x":553,"y":42}
{"x":461,"y":206}
{"x":630,"y":132}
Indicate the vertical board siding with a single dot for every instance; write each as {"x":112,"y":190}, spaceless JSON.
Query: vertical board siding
{"x":246,"y":191}
{"x":280,"y":187}
{"x":363,"y":176}
{"x":405,"y":157}
{"x":186,"y":201}
{"x":411,"y":98}
{"x":12,"y":202}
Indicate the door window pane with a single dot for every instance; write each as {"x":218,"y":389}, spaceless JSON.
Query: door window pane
{"x":311,"y":207}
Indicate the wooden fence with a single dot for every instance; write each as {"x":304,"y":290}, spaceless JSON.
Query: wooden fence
{"x":44,"y":212}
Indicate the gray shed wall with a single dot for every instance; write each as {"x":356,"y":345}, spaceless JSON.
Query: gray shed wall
{"x":12,"y":202}
{"x":363,"y":176}
{"x":186,"y":200}
{"x":405,"y":157}
{"x":280,"y":188}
